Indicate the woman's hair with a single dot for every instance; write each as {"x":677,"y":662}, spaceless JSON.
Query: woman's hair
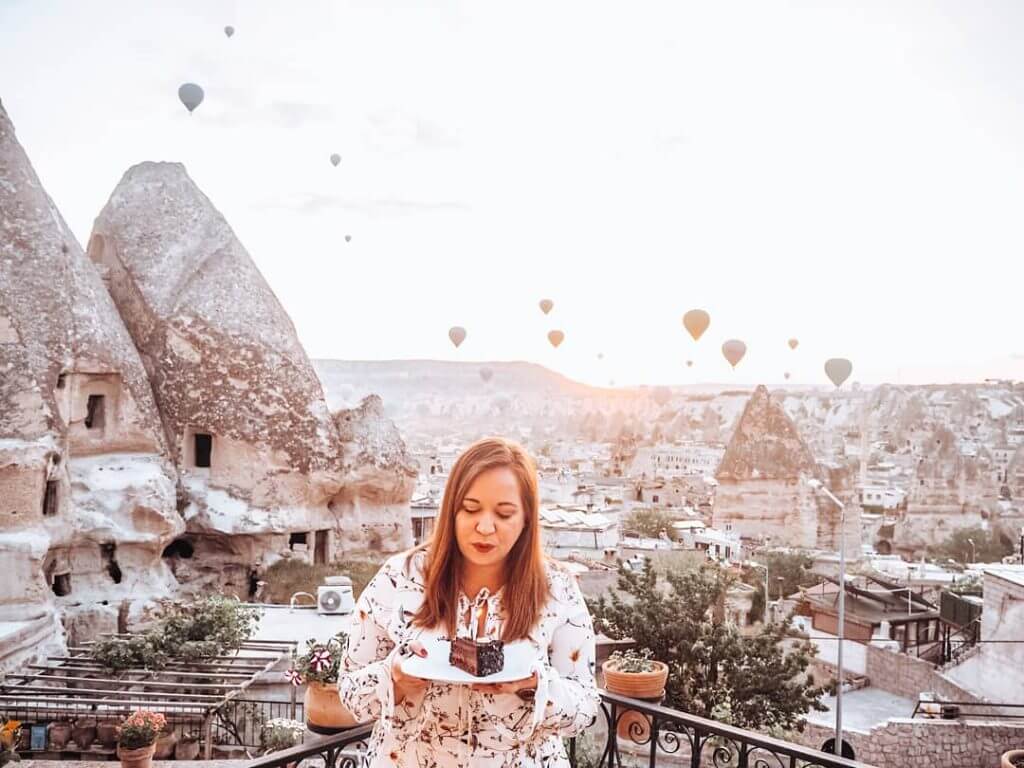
{"x":526,"y":586}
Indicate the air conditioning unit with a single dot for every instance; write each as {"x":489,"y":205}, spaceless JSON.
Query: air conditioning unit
{"x":335,"y":599}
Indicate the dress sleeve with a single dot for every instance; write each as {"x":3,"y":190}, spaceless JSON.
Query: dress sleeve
{"x":364,"y":681}
{"x":567,"y":700}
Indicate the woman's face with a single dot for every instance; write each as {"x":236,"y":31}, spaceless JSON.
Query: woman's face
{"x":491,"y":517}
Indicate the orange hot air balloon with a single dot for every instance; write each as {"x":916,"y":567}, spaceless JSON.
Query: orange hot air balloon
{"x":734,"y":350}
{"x":793,"y":343}
{"x":838,"y":369}
{"x":457,"y":334}
{"x":546,"y":305}
{"x":556,"y":338}
{"x":696,"y":321}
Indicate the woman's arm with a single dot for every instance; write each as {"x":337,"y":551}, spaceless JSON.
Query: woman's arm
{"x":364,"y":683}
{"x":567,"y":700}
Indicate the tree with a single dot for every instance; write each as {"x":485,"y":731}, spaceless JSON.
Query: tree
{"x":987,"y":547}
{"x":648,"y":522}
{"x":712,"y":667}
{"x":792,"y":567}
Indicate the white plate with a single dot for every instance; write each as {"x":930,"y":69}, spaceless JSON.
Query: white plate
{"x":519,"y":657}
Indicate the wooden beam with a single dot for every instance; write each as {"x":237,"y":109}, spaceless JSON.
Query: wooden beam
{"x":121,"y":681}
{"x":161,"y":673}
{"x":203,"y":698}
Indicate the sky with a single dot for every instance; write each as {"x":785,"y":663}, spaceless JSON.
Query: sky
{"x":850,"y":174}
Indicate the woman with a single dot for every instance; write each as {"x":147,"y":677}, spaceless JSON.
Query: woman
{"x":484,"y":563}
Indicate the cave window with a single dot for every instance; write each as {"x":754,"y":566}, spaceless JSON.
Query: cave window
{"x":50,"y":499}
{"x":95,"y":412}
{"x":62,"y":584}
{"x":296,"y":539}
{"x":180,"y":548}
{"x":654,"y":499}
{"x":61,"y":380}
{"x":203,"y":449}
{"x":109,"y":553}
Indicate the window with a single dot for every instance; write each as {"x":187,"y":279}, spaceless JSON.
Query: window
{"x":95,"y":412}
{"x":61,"y":380}
{"x":50,"y":499}
{"x":296,"y":538}
{"x":654,"y":499}
{"x":203,"y":449}
{"x":61,"y":584}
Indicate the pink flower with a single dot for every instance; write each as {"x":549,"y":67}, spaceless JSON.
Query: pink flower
{"x":294,"y":676}
{"x":320,"y":660}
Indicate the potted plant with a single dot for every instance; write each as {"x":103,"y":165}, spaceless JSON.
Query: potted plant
{"x":318,"y":668}
{"x":10,"y":737}
{"x":635,"y":674}
{"x":1012,"y":759}
{"x":106,"y":734}
{"x":60,"y":734}
{"x":163,"y":749}
{"x":279,"y":734}
{"x":188,"y":747}
{"x":84,"y":732}
{"x":136,"y":738}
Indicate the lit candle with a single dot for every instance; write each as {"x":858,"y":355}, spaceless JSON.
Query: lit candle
{"x":476,"y":620}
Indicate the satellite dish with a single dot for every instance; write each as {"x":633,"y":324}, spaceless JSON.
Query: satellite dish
{"x":457,"y":334}
{"x":696,"y":321}
{"x":556,"y":338}
{"x":191,"y":96}
{"x":734,"y":350}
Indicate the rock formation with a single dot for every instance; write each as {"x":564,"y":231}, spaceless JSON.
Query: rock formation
{"x":263,"y":473}
{"x":763,"y":491}
{"x":88,"y":501}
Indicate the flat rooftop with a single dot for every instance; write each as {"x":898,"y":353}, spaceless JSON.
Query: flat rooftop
{"x":863,"y":709}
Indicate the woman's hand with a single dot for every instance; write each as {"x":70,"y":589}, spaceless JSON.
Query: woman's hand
{"x":518,"y":687}
{"x":408,"y":686}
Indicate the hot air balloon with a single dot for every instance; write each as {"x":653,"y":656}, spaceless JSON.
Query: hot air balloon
{"x":457,"y":334}
{"x":486,"y":373}
{"x":546,"y":305}
{"x":348,"y":238}
{"x":556,"y":338}
{"x":838,"y":369}
{"x":661,"y":395}
{"x":600,"y":355}
{"x":335,"y":159}
{"x":191,"y":96}
{"x":689,"y":363}
{"x":696,"y":321}
{"x":734,"y":350}
{"x":793,"y":343}
{"x":229,"y":30}
{"x":786,"y":374}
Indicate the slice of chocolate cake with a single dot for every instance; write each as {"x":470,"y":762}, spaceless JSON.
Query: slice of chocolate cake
{"x":477,"y":658}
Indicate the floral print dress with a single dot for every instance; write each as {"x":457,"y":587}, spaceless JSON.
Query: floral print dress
{"x":453,"y":725}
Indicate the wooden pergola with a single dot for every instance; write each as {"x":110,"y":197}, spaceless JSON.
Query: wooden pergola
{"x":183,"y":691}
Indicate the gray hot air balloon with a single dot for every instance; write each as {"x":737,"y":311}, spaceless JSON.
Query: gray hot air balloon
{"x":556,"y":338}
{"x":661,"y":395}
{"x":348,"y":238}
{"x":486,"y":373}
{"x":786,"y":374}
{"x":793,"y":343}
{"x":191,"y":96}
{"x":335,"y":159}
{"x":457,"y":334}
{"x":689,"y":363}
{"x":696,"y":321}
{"x":546,"y":305}
{"x":229,"y":30}
{"x":600,"y":355}
{"x":734,"y":350}
{"x":838,"y":369}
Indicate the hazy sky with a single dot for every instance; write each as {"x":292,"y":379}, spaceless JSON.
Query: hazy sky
{"x":849,"y":173}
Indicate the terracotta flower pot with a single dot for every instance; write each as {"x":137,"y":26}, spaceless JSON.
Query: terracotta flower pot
{"x":106,"y":734}
{"x":136,"y":758}
{"x":164,"y":746}
{"x":1012,"y":759}
{"x":648,"y":686}
{"x":187,"y":749}
{"x":84,"y":732}
{"x":324,"y":711}
{"x":60,"y":735}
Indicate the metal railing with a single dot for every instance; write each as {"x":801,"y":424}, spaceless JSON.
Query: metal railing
{"x":654,"y":733}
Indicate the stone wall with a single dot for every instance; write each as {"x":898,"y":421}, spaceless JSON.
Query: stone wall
{"x":905,"y":743}
{"x":907,"y":676}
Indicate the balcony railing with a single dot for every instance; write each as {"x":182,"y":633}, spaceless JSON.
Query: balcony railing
{"x":666,"y":735}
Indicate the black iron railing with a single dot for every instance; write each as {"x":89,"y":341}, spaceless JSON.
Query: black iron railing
{"x":653,"y":734}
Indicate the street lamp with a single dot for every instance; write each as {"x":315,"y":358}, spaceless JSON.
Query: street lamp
{"x":974,"y":552}
{"x":816,"y":486}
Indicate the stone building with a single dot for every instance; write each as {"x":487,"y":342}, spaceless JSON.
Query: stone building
{"x":763,"y":491}
{"x":87,"y":488}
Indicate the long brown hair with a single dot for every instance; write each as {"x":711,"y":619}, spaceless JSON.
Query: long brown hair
{"x":526,"y":586}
